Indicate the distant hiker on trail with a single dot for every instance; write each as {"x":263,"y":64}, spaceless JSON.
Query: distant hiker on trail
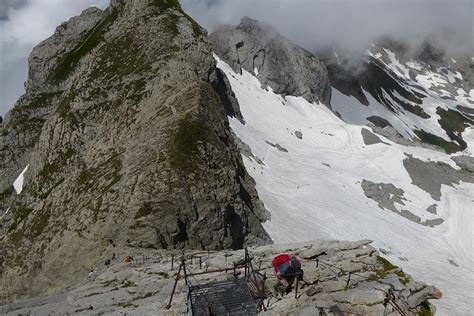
{"x":92,"y":274}
{"x":287,"y":269}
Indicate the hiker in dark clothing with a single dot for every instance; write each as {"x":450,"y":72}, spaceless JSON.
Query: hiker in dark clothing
{"x":287,"y":269}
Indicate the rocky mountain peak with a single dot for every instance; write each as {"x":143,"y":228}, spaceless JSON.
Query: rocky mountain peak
{"x":124,"y":129}
{"x":285,"y":67}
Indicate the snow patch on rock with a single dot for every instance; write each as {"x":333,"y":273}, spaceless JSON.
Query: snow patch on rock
{"x":18,"y":184}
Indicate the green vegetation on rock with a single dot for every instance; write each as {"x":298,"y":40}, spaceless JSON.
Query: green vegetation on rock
{"x":451,"y":121}
{"x":106,"y":174}
{"x":19,"y":215}
{"x":91,"y":40}
{"x":449,"y":147}
{"x":6,"y":193}
{"x":120,"y":57}
{"x":425,"y":309}
{"x":39,"y":223}
{"x":388,"y":268}
{"x":190,"y":135}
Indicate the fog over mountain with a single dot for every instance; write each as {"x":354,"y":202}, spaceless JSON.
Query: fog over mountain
{"x":349,"y":24}
{"x":313,"y":24}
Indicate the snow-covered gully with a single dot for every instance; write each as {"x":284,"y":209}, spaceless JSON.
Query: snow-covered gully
{"x":309,"y":167}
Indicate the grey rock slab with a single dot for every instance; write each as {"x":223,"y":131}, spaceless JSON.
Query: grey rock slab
{"x":432,"y":209}
{"x":464,"y":162}
{"x":385,"y":194}
{"x":430,"y":175}
{"x":369,"y":137}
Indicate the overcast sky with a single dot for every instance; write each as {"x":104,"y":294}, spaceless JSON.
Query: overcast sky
{"x":314,"y":24}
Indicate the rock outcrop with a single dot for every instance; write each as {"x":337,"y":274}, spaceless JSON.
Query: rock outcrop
{"x":283,"y":66}
{"x":343,"y":278}
{"x":124,"y":128}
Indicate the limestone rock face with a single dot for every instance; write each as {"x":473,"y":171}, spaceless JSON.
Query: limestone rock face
{"x":46,"y":55}
{"x":124,"y":128}
{"x":22,"y":126}
{"x":340,"y":278}
{"x":278,"y":63}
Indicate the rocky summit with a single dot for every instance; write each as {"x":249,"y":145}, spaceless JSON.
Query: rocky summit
{"x":124,"y":131}
{"x":278,"y":63}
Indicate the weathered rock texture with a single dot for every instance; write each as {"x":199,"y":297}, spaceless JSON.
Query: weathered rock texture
{"x":144,"y":287}
{"x":429,"y":176}
{"x":124,"y":128}
{"x":278,"y":63}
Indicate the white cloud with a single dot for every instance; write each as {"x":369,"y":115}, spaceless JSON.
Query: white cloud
{"x":313,"y":24}
{"x":317,"y":24}
{"x":25,"y":27}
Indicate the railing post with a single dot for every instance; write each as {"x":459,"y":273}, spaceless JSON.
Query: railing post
{"x":348,"y":280}
{"x":172,"y":260}
{"x":183,"y":263}
{"x":174,"y":287}
{"x":296,"y":289}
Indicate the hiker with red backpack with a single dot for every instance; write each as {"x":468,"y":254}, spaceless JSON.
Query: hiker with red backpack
{"x":287,"y":269}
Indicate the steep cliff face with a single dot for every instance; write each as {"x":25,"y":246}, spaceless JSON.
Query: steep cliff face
{"x":130,"y":143}
{"x":278,"y":63}
{"x":22,"y":126}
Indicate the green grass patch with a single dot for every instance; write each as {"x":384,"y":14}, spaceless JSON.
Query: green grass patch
{"x":191,"y":134}
{"x":50,"y":170}
{"x":91,"y":40}
{"x":120,"y":57}
{"x":102,"y":177}
{"x":425,"y":309}
{"x":449,"y":147}
{"x":451,"y":121}
{"x":39,"y":224}
{"x":387,"y":267}
{"x":19,"y":215}
{"x":402,"y":277}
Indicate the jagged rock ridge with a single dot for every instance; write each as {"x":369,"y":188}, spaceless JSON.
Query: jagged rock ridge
{"x":129,"y":140}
